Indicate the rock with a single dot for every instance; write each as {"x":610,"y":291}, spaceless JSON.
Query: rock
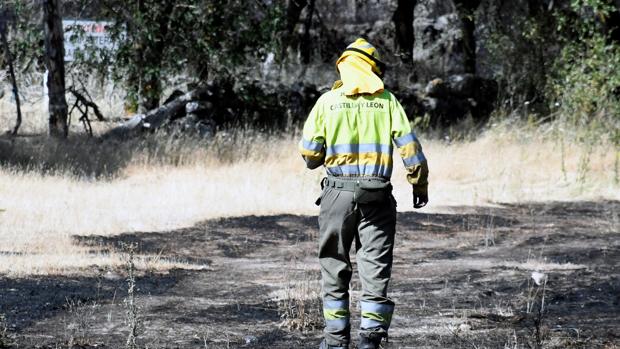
{"x":464,"y":328}
{"x":457,"y":96}
{"x":430,"y":104}
{"x":444,"y":40}
{"x":206,"y":128}
{"x":438,"y":49}
{"x":538,"y":277}
{"x":197,"y":107}
{"x":436,"y":88}
{"x":110,"y":275}
{"x":193,"y":125}
{"x":250,"y":339}
{"x":462,"y":85}
{"x":189,"y":122}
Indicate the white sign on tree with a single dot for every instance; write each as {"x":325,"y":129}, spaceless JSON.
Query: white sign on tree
{"x":81,"y":34}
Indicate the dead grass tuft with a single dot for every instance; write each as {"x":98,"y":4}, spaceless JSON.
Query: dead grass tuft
{"x":80,"y":320}
{"x":300,"y":304}
{"x":5,"y":339}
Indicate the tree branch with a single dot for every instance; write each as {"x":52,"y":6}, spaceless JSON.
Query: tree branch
{"x":87,"y":102}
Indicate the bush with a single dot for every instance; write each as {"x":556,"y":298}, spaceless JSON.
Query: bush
{"x":585,"y":83}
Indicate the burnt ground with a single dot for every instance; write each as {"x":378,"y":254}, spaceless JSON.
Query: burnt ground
{"x":460,"y":280}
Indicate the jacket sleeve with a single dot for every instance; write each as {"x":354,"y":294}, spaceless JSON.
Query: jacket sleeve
{"x":409,"y":148}
{"x":312,"y":144}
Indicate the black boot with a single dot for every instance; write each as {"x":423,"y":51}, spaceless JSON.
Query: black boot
{"x":370,"y":340}
{"x":324,"y":345}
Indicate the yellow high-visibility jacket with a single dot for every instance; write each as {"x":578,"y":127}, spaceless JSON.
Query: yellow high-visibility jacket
{"x":353,"y":136}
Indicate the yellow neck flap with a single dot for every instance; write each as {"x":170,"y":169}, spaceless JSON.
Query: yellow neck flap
{"x":357,"y":77}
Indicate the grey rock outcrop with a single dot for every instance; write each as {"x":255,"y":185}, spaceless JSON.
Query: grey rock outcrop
{"x":420,"y":40}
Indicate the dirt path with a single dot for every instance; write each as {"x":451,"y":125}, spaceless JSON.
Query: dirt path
{"x":460,"y":280}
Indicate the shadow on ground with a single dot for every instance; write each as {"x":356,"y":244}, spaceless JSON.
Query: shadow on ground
{"x":81,"y":156}
{"x":458,"y":279}
{"x":102,"y":158}
{"x":227,"y":237}
{"x":95,"y":157}
{"x":26,"y":300}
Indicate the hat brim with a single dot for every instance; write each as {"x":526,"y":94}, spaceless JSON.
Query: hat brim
{"x":380,"y":65}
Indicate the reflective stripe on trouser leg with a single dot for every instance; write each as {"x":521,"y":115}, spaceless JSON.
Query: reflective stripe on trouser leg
{"x":337,"y":225}
{"x":375,"y":315}
{"x":336,"y":315}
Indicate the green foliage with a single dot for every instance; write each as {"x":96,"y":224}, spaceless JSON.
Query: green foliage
{"x":25,"y":36}
{"x":585,"y":80}
{"x":586,"y":77}
{"x":157,"y":40}
{"x":518,"y":41}
{"x":561,"y":62}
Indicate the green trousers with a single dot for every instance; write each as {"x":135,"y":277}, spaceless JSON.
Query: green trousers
{"x":348,"y":214}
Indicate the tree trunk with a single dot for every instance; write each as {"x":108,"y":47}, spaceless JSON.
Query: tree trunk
{"x":9,"y":58}
{"x":54,"y":61}
{"x":293,"y":13}
{"x":154,"y":118}
{"x":403,"y":23}
{"x":466,"y":10}
{"x":306,"y":43}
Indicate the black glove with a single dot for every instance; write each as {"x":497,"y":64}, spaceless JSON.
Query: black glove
{"x":420,"y":201}
{"x":420,"y":197}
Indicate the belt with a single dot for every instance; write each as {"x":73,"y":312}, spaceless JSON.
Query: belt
{"x":348,"y":184}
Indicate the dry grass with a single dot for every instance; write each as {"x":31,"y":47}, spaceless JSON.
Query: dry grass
{"x":52,"y":191}
{"x":299,"y":302}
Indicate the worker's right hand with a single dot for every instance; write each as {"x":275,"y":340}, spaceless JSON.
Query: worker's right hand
{"x":420,"y":201}
{"x":420,"y":197}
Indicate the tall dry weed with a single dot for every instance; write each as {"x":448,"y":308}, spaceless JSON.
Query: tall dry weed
{"x":300,"y":303}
